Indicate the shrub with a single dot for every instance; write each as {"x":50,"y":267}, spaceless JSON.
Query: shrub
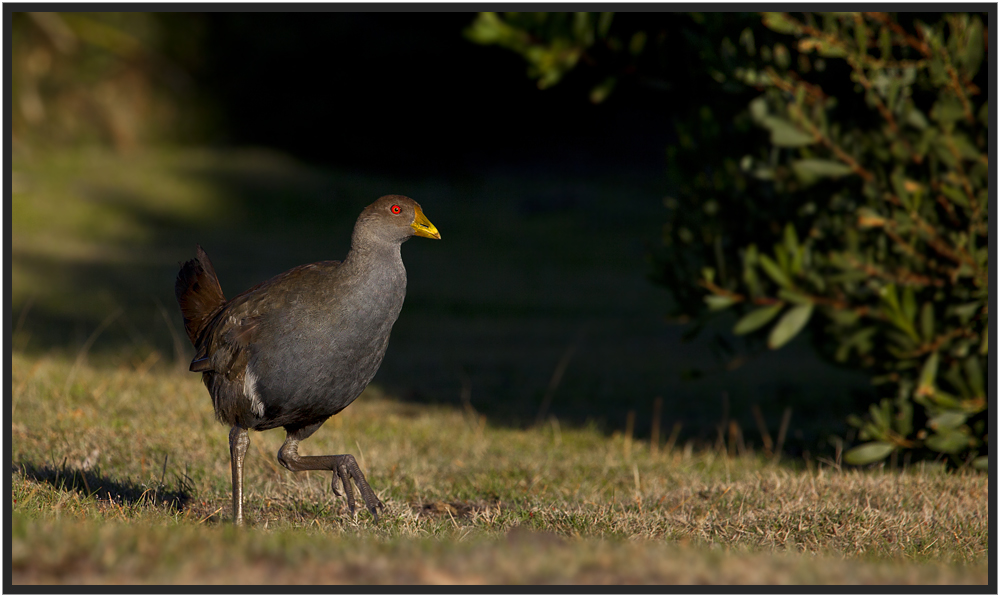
{"x":859,"y":209}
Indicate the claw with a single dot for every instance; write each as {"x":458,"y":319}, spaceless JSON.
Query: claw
{"x":379,"y":506}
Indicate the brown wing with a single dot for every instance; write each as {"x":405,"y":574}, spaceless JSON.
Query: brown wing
{"x":234,"y":327}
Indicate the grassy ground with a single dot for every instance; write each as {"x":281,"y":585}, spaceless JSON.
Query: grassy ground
{"x":120,"y":475}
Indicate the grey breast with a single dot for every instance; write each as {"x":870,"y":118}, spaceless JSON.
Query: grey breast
{"x":326,"y":344}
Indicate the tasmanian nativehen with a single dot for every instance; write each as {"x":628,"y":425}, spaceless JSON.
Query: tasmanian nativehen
{"x":297,"y":349}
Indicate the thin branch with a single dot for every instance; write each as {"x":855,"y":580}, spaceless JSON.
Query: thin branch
{"x":963,"y":179}
{"x":896,"y":28}
{"x":902,"y":277}
{"x":956,"y":86}
{"x":814,"y":93}
{"x":768,"y":301}
{"x":842,"y":155}
{"x":938,"y":341}
{"x":863,"y":79}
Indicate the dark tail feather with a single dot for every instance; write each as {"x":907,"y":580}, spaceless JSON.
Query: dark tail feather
{"x":198,"y":294}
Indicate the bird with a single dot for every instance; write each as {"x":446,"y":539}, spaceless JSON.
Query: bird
{"x":299,"y":348}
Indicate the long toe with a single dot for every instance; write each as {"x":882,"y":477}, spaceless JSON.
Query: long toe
{"x":345,"y":476}
{"x":335,"y":485}
{"x":371,"y":500}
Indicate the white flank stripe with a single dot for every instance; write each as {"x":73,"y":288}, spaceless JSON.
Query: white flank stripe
{"x":250,"y":389}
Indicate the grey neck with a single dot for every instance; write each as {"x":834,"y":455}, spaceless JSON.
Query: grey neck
{"x":380,"y":260}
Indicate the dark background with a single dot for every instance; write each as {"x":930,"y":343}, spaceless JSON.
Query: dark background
{"x":407,"y":93}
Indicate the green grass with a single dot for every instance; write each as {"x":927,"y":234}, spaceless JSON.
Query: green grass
{"x":123,"y":478}
{"x":120,"y":474}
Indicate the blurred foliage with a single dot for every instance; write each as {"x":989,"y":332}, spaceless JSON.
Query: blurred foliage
{"x":837,"y":180}
{"x":116,"y":79}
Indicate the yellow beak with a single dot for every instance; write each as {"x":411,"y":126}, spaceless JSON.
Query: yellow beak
{"x":422,"y":226}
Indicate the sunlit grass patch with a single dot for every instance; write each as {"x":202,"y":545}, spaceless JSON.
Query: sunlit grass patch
{"x":122,"y":475}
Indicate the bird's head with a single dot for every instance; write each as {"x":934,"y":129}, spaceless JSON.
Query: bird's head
{"x":394,"y":218}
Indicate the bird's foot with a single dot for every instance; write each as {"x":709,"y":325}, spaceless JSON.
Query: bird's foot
{"x":348,"y":470}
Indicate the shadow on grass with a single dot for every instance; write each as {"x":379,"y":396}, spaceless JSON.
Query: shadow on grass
{"x":91,"y":483}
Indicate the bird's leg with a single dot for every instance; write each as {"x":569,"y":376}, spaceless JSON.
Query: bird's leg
{"x":345,"y":469}
{"x":239,"y":441}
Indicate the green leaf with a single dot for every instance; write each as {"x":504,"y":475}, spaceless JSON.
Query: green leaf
{"x":774,"y":271}
{"x":758,"y":110}
{"x":781,"y":255}
{"x":817,"y":168}
{"x":929,"y":373}
{"x":982,"y":463}
{"x":949,"y":442}
{"x":717,"y":302}
{"x":786,"y":134}
{"x":842,"y":352}
{"x":756,"y":319}
{"x":954,"y":377}
{"x":946,"y":400}
{"x":947,"y":110}
{"x":885,"y":43}
{"x":861,"y":36}
{"x":637,"y":43}
{"x":888,"y":293}
{"x":779,"y":22}
{"x":947,"y":420}
{"x":898,"y":179}
{"x":604,"y":23}
{"x":965,"y":311}
{"x":898,"y":314}
{"x":862,"y":339}
{"x":794,"y":297}
{"x":984,"y":348}
{"x":928,"y":138}
{"x":843,"y":317}
{"x":879,"y":419}
{"x":965,"y":147}
{"x":972,"y":55}
{"x":916,"y":119}
{"x":790,"y":324}
{"x":868,"y":453}
{"x":927,"y":321}
{"x":974,"y":375}
{"x":822,"y":46}
{"x":600,"y":92}
{"x":944,"y":154}
{"x":582,"y":29}
{"x":791,"y":238}
{"x":909,"y":306}
{"x":903,"y":421}
{"x":903,"y":341}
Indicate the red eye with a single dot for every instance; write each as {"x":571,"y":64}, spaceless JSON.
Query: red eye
{"x":396,"y":209}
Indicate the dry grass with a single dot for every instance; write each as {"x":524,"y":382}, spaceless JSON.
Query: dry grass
{"x":117,"y":553}
{"x":121,"y":476}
